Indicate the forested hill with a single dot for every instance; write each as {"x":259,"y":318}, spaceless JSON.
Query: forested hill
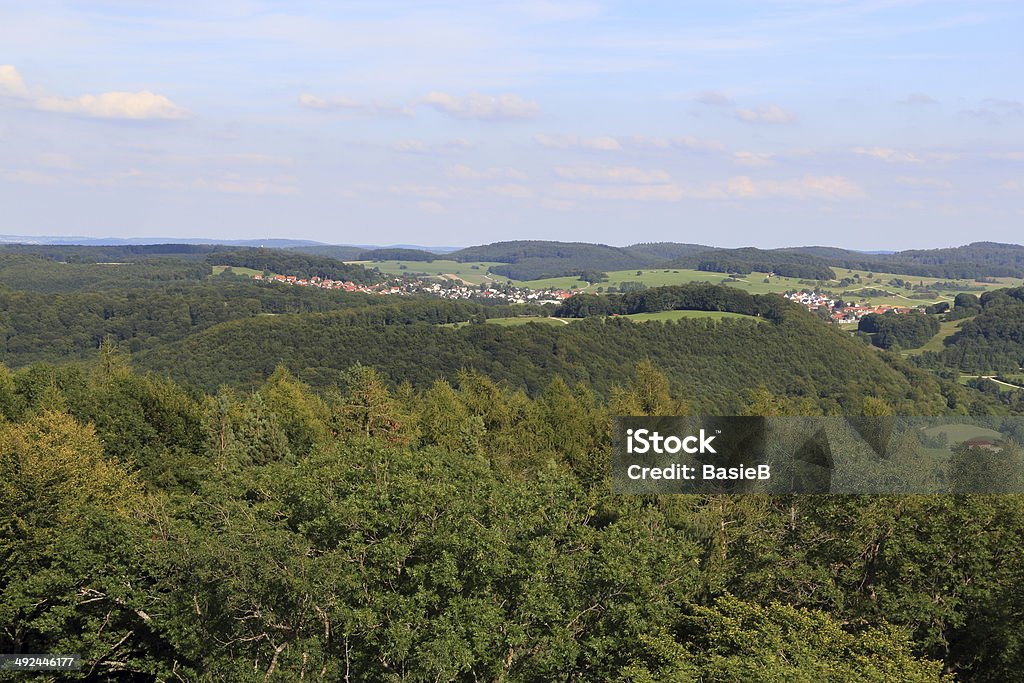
{"x":714,"y":361}
{"x":991,"y":342}
{"x":660,"y":252}
{"x":398,"y":254}
{"x":531,"y":260}
{"x":749,"y":259}
{"x":538,"y":259}
{"x":114,"y":253}
{"x":978,"y":259}
{"x":291,"y":263}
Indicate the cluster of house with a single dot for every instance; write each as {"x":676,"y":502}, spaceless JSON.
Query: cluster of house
{"x":851,"y":314}
{"x":812,"y":300}
{"x":507,"y":294}
{"x":843,"y":314}
{"x":312,"y":282}
{"x":445,"y":290}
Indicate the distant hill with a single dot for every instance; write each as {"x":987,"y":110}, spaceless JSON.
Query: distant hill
{"x":287,"y":262}
{"x":978,"y":259}
{"x":535,"y":259}
{"x":398,"y":254}
{"x":340,"y":252}
{"x":111,"y":253}
{"x":666,"y":251}
{"x":273,"y":243}
{"x":349,"y":252}
{"x":749,"y":259}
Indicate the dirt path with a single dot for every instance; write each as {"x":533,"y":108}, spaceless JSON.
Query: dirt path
{"x":999,"y":381}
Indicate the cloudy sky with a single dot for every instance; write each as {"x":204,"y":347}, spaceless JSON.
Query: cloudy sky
{"x":871,"y":124}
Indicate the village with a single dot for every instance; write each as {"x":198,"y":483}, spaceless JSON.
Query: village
{"x":449,"y":289}
{"x":840,"y":313}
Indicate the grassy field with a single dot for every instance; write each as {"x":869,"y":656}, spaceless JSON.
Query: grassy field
{"x":936,"y":343}
{"x":958,"y":433}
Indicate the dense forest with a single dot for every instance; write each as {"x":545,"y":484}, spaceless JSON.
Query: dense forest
{"x":716,"y":360}
{"x":206,"y":478}
{"x":749,"y":259}
{"x":992,"y":341}
{"x":459,"y":532}
{"x":906,"y":331}
{"x":532,"y":260}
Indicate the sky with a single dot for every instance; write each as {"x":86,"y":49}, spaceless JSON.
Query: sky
{"x":866,"y":124}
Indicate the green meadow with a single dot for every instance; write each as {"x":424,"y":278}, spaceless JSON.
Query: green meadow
{"x":946,"y":329}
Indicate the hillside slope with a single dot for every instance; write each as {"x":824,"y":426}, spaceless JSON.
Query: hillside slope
{"x":712,"y":363}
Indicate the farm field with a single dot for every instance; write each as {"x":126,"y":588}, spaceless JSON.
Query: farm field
{"x":946,"y":329}
{"x":958,"y":433}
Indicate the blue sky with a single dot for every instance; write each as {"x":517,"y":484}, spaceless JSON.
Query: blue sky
{"x":872,"y":124}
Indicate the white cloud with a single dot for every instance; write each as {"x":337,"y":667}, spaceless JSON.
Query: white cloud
{"x":604,"y":143}
{"x":666,"y":192}
{"x":56,"y":160}
{"x":109,"y":105}
{"x":423,"y":191}
{"x":924,"y":183}
{"x":234,"y":184}
{"x":888,"y":154}
{"x":754,"y":159}
{"x":354,"y":107}
{"x":513,"y":190}
{"x":612,"y":174}
{"x":550,"y":11}
{"x":11,"y":83}
{"x":115,"y":105}
{"x":713,"y":98}
{"x":463,"y":172}
{"x":766,"y":114}
{"x":431,"y":207}
{"x":829,"y":188}
{"x":808,"y":188}
{"x":996,"y":110}
{"x":678,"y":142}
{"x":482,"y":107}
{"x":608,"y":143}
{"x":414,"y":146}
{"x":27,"y":176}
{"x":919,"y":98}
